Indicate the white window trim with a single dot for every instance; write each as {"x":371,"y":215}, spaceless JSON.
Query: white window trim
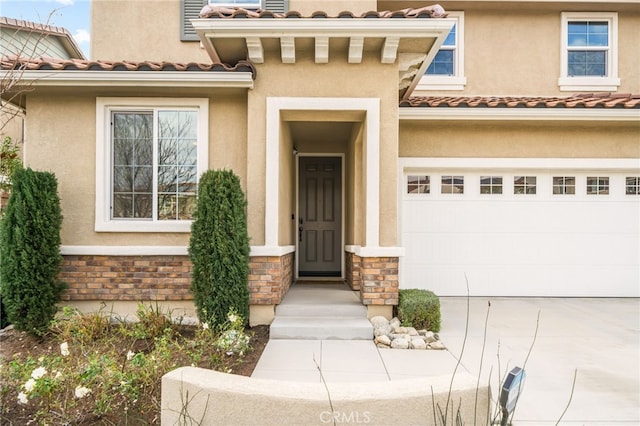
{"x":458,"y":80}
{"x":609,"y":83}
{"x":104,"y":107}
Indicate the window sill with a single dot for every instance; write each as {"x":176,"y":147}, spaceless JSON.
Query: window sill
{"x":573,"y":84}
{"x":441,"y":83}
{"x":183,"y":226}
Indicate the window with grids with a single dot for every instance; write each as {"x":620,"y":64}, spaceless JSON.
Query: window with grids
{"x":491,"y":184}
{"x":418,"y":184}
{"x":154,"y":164}
{"x":446,"y":70}
{"x":587,"y":48}
{"x":564,"y":185}
{"x":589,"y":51}
{"x":445,"y":61}
{"x":632,"y":185}
{"x":597,"y":185}
{"x":452,"y":185}
{"x":524,"y":185}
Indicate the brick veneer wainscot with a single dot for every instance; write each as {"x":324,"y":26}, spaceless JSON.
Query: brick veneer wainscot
{"x":142,"y":278}
{"x":127,"y":278}
{"x":379,"y":280}
{"x":269,"y":278}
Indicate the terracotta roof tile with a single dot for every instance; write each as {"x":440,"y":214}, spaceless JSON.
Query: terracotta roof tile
{"x":580,"y":100}
{"x":209,"y":11}
{"x":33,"y":64}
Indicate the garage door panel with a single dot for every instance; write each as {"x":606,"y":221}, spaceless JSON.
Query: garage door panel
{"x":549,"y":281}
{"x":539,"y":245}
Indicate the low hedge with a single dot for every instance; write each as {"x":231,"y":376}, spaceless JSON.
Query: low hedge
{"x":420,"y":309}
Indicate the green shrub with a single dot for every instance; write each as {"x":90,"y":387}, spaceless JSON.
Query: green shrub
{"x":420,"y":309}
{"x":219,"y":248}
{"x":30,"y":257}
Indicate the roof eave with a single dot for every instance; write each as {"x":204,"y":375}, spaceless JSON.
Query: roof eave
{"x":519,"y":114}
{"x":49,"y":78}
{"x":356,"y":29}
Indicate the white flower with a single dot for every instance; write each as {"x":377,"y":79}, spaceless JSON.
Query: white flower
{"x":58,"y":375}
{"x":38,"y":372}
{"x":130,"y":355}
{"x":81,"y":391}
{"x":22,"y":398}
{"x":64,"y":349}
{"x":205,"y":326}
{"x":30,"y":385}
{"x":232,"y":318}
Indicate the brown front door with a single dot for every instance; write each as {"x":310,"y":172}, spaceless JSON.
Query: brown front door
{"x":320,"y":217}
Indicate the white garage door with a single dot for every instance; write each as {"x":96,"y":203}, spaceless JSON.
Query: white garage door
{"x":521,"y":232}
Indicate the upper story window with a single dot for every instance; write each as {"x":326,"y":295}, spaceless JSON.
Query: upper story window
{"x":589,"y":54}
{"x":446,"y":71}
{"x":150,"y":155}
{"x":444,"y":63}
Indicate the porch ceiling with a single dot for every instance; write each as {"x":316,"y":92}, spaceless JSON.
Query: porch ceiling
{"x":409,"y":43}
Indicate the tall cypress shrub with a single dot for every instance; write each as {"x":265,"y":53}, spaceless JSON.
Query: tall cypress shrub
{"x":30,"y":257}
{"x":219,"y":248}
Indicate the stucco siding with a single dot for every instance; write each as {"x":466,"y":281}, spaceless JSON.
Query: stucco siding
{"x":514,"y":50}
{"x":519,"y":140}
{"x":307,"y":79}
{"x":140,"y":30}
{"x":66,"y":131}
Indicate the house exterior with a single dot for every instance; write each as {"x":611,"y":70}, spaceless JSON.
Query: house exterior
{"x":19,"y":38}
{"x":472,"y":147}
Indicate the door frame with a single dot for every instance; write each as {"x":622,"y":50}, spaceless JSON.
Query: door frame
{"x":342,"y":213}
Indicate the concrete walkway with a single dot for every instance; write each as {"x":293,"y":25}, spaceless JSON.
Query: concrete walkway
{"x":598,"y":337}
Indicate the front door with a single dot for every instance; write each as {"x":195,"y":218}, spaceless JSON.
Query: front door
{"x":320,"y":217}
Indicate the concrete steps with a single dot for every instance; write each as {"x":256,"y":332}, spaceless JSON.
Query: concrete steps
{"x":321,"y":312}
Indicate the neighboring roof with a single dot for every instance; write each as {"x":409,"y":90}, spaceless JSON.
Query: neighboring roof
{"x":581,"y":100}
{"x":62,"y":34}
{"x":46,"y":64}
{"x":210,"y":11}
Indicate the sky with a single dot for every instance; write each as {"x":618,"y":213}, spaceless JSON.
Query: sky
{"x":70,"y":14}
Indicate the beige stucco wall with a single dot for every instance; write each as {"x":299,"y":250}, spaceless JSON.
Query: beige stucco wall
{"x":140,"y":30}
{"x":66,"y":130}
{"x":307,"y":79}
{"x":514,"y":50}
{"x":519,"y":140}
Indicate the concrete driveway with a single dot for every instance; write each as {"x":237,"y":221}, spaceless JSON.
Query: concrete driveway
{"x":598,"y":338}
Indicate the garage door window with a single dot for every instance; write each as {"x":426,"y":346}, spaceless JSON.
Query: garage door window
{"x":452,"y":185}
{"x":564,"y":185}
{"x":418,"y":184}
{"x":524,"y":185}
{"x":597,"y":185}
{"x":633,"y":185}
{"x":491,"y":184}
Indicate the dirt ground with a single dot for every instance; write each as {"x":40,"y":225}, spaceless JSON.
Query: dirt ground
{"x":19,"y":345}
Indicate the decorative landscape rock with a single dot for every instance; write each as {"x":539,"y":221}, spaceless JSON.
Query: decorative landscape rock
{"x":391,"y":334}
